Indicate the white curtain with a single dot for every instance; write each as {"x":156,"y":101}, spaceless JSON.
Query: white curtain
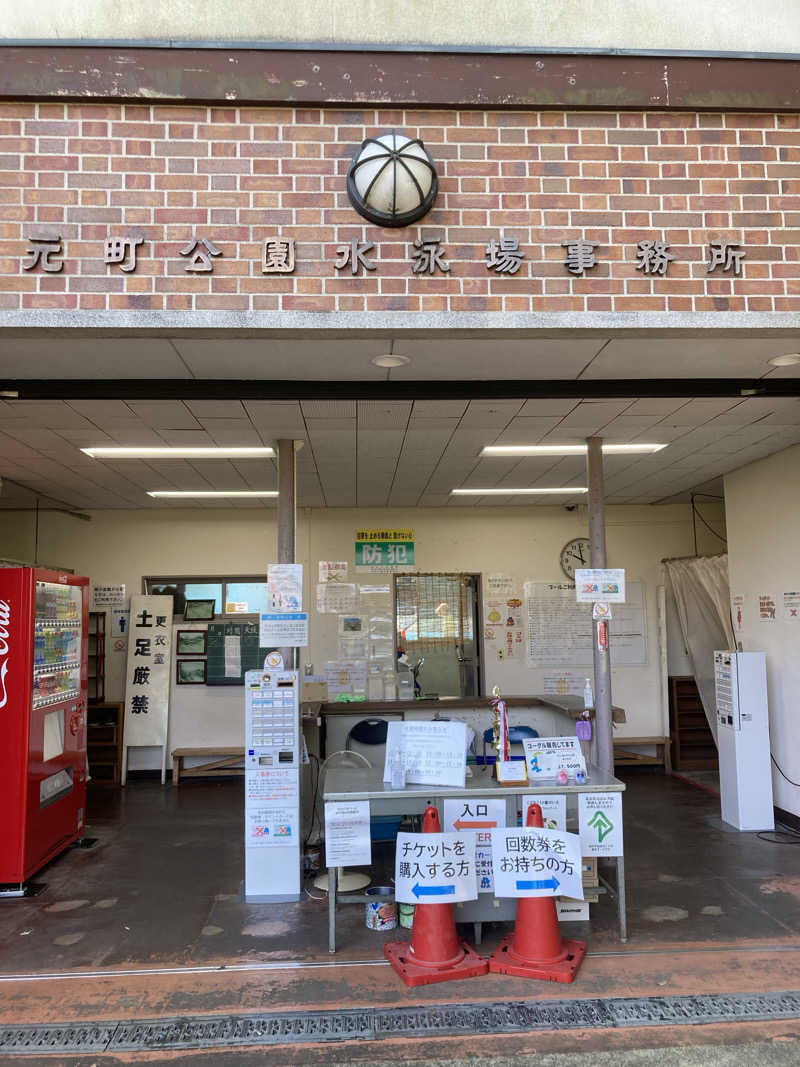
{"x":702,"y":596}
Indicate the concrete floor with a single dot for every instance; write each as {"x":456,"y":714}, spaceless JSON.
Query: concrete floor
{"x":709,"y":910}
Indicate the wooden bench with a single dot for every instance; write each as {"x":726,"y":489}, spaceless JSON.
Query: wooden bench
{"x":225,"y":764}
{"x":623,"y":757}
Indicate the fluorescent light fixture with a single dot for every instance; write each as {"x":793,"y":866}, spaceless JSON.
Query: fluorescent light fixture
{"x":777,"y":361}
{"x":566,"y":450}
{"x":165,"y":452}
{"x":517,"y":492}
{"x":208,"y":493}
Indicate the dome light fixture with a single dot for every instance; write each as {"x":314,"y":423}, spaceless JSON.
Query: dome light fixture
{"x":788,"y":360}
{"x":392,"y":180}
{"x":390,"y":360}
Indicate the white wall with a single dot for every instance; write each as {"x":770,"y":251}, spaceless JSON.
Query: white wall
{"x":762,"y":503}
{"x":524,"y":542}
{"x":714,"y":25}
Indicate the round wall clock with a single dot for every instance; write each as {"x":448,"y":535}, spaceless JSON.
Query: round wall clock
{"x":575,"y":555}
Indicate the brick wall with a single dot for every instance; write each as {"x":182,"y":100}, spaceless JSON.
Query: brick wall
{"x":237,"y":175}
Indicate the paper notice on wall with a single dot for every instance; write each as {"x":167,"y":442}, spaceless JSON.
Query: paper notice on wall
{"x":554,"y":809}
{"x":103,"y":596}
{"x":347,"y":836}
{"x":791,"y":607}
{"x":285,"y":582}
{"x":767,"y":608}
{"x":738,"y":614}
{"x":562,"y":683}
{"x":331,"y":571}
{"x":499,"y":586}
{"x":285,"y":628}
{"x":346,"y":677}
{"x":337,"y":598}
{"x":233,"y":656}
{"x":559,"y":632}
{"x":353,"y":646}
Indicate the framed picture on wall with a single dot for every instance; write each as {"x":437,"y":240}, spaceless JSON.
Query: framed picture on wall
{"x":192,"y":642}
{"x":191,"y":671}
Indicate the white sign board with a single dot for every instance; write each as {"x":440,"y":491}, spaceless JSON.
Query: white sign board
{"x":271,"y":807}
{"x":435,"y":868}
{"x":347,"y":836}
{"x":120,"y":622}
{"x":285,"y":582}
{"x":337,"y":598}
{"x":600,"y":823}
{"x":433,"y":753}
{"x":346,"y":677}
{"x":559,"y":632}
{"x":332,"y":570}
{"x":554,"y":809}
{"x":531,"y":862}
{"x":285,"y":629}
{"x":607,"y":585}
{"x":103,"y":596}
{"x":546,"y":756}
{"x":482,"y":815}
{"x":149,"y":671}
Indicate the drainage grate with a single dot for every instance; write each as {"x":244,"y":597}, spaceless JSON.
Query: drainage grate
{"x":209,"y":1031}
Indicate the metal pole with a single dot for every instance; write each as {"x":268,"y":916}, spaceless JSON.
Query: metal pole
{"x":602,"y":657}
{"x":287,"y":516}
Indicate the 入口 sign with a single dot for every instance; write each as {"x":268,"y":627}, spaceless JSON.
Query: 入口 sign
{"x":480,"y":815}
{"x":435,"y":868}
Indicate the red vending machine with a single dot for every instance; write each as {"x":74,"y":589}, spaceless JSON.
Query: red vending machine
{"x":43,"y":690}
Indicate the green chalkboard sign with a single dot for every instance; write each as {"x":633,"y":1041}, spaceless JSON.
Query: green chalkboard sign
{"x":232,"y":651}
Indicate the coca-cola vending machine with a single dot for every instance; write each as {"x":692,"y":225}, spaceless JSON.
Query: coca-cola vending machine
{"x":43,"y":692}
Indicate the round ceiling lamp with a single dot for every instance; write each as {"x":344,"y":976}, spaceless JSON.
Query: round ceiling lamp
{"x":392,"y":180}
{"x":788,"y":360}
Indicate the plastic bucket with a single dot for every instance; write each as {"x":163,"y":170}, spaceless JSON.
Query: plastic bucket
{"x":381,"y":911}
{"x":406,"y":915}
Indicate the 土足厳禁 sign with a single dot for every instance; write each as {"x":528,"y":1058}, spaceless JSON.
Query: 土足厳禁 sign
{"x":384,"y":547}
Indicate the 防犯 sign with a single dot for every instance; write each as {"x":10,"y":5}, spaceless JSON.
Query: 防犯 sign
{"x":384,"y":548}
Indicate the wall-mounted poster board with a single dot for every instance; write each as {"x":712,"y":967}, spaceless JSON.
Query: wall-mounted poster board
{"x":233,"y":650}
{"x":558,"y":632}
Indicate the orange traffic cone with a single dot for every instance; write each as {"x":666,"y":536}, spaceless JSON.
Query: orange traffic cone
{"x":535,"y":949}
{"x":435,"y":953}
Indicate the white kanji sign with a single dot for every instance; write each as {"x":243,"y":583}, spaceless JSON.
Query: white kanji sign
{"x":533,"y":862}
{"x":435,"y":868}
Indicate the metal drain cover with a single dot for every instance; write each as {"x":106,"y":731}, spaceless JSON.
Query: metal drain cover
{"x":375,"y":1024}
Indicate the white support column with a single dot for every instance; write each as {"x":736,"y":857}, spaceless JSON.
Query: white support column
{"x":602,"y":657}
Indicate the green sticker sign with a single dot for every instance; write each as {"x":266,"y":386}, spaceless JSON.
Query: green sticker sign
{"x":385,"y":548}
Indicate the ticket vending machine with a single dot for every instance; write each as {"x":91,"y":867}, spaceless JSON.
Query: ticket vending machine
{"x":745,"y":774}
{"x":272,"y":784}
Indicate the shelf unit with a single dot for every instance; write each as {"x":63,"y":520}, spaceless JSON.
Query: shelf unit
{"x":97,"y":657}
{"x":693,"y":747}
{"x":104,"y":743}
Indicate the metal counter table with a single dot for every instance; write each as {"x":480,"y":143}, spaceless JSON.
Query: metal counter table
{"x":357,"y":783}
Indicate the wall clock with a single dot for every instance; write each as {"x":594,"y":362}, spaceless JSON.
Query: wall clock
{"x":575,"y":555}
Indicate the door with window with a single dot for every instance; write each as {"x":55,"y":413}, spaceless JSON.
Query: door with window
{"x":436,"y":621}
